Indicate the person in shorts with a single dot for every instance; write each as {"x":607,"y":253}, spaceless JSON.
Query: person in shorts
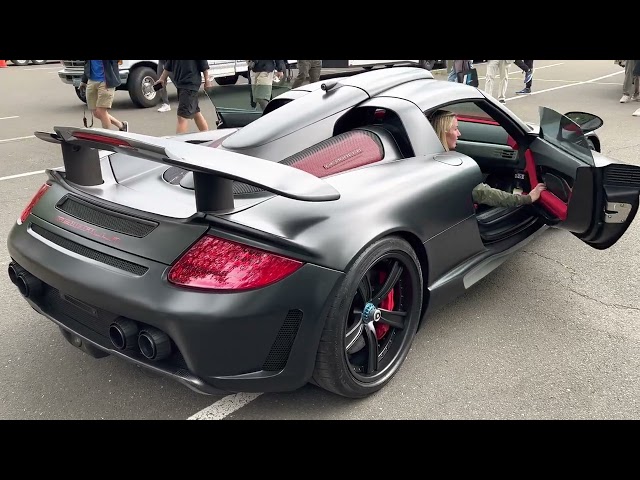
{"x":99,"y":80}
{"x":187,"y":77}
{"x":262,"y":72}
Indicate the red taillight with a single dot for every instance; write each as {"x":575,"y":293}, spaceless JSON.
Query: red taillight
{"x":218,"y":264}
{"x":27,"y":211}
{"x":96,"y":137}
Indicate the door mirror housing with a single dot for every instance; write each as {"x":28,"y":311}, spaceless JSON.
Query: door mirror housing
{"x":588,"y":122}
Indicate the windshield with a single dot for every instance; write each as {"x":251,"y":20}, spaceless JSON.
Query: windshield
{"x":565,"y":134}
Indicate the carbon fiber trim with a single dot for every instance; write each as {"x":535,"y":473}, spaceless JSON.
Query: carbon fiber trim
{"x":89,"y":253}
{"x":104,"y":218}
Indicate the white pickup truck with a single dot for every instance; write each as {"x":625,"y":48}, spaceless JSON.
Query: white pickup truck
{"x":138,"y":77}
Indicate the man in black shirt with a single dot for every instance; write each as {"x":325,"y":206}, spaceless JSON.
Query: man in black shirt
{"x":187,"y":77}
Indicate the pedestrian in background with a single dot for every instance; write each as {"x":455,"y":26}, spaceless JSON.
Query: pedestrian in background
{"x":262,"y":73}
{"x":527,"y":67}
{"x":164,"y":95}
{"x":187,"y":77}
{"x":99,"y":81}
{"x":629,"y":87}
{"x":494,"y":68}
{"x":308,"y":70}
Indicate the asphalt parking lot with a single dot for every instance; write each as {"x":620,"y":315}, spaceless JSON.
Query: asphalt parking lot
{"x":554,"y":333}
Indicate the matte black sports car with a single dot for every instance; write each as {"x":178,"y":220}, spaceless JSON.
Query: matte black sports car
{"x":308,"y":245}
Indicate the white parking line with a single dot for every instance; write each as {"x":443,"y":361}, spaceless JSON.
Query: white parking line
{"x":7,"y":118}
{"x":537,"y":92}
{"x":21,"y":175}
{"x":225,"y":406}
{"x":16,"y":138}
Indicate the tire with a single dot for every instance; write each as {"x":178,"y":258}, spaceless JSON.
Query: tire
{"x":230,"y":80}
{"x":345,"y":361}
{"x":368,"y":68}
{"x":82,"y":94}
{"x":140,"y":86}
{"x":20,"y":63}
{"x":38,"y":62}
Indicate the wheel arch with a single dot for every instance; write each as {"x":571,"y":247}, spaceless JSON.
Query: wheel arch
{"x":418,"y":247}
{"x":421,"y":253}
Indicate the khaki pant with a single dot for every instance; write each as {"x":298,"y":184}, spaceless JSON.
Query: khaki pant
{"x":98,"y":95}
{"x":261,"y":85}
{"x":307,"y":70}
{"x":494,"y":68}
{"x":628,"y":87}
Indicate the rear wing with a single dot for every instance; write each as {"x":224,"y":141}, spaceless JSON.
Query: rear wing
{"x":213,"y":170}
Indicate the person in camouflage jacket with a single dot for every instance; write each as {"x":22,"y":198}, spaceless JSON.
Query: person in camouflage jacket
{"x":445,"y":125}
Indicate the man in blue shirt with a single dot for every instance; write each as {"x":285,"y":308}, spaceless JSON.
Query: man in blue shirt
{"x":100,"y":79}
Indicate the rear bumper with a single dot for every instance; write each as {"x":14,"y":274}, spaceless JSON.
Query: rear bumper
{"x":256,"y":341}
{"x":73,"y":76}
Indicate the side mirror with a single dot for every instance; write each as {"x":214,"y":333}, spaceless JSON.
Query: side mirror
{"x":587,"y":121}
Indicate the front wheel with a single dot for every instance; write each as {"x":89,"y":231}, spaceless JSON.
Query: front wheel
{"x":372,"y":322}
{"x":20,"y":62}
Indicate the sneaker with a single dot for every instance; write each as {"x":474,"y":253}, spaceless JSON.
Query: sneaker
{"x":502,"y":100}
{"x":125,"y":127}
{"x":635,"y":98}
{"x":524,"y":91}
{"x":165,"y":107}
{"x":528,"y":76}
{"x":624,"y":99}
{"x":636,"y":113}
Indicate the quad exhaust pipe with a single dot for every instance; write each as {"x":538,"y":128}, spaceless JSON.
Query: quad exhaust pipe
{"x":28,"y":285}
{"x":125,"y":334}
{"x":153,"y":343}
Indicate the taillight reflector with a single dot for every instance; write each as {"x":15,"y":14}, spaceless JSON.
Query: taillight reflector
{"x":96,"y":137}
{"x":36,"y":198}
{"x":217,"y":264}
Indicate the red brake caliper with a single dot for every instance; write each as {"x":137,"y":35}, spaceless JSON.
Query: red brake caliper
{"x":386,"y":303}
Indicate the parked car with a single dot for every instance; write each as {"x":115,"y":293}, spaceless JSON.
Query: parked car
{"x":308,"y":245}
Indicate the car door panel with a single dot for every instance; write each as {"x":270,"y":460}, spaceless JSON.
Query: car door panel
{"x":602,"y":197}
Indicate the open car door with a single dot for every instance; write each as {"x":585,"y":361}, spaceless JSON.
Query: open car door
{"x":587,"y":193}
{"x":235,"y":105}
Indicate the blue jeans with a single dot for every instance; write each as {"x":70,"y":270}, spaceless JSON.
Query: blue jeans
{"x":452,"y":75}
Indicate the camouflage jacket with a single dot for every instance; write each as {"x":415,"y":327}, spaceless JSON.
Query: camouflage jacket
{"x":494,"y":197}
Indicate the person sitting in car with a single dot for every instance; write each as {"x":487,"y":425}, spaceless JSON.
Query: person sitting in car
{"x":445,"y":124}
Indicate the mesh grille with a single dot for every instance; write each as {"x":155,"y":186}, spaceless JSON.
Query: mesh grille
{"x":622,"y":175}
{"x":89,"y":253}
{"x":279,"y":353}
{"x":103,"y":218}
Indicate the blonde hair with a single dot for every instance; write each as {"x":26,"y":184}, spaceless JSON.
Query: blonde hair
{"x":442,"y":121}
